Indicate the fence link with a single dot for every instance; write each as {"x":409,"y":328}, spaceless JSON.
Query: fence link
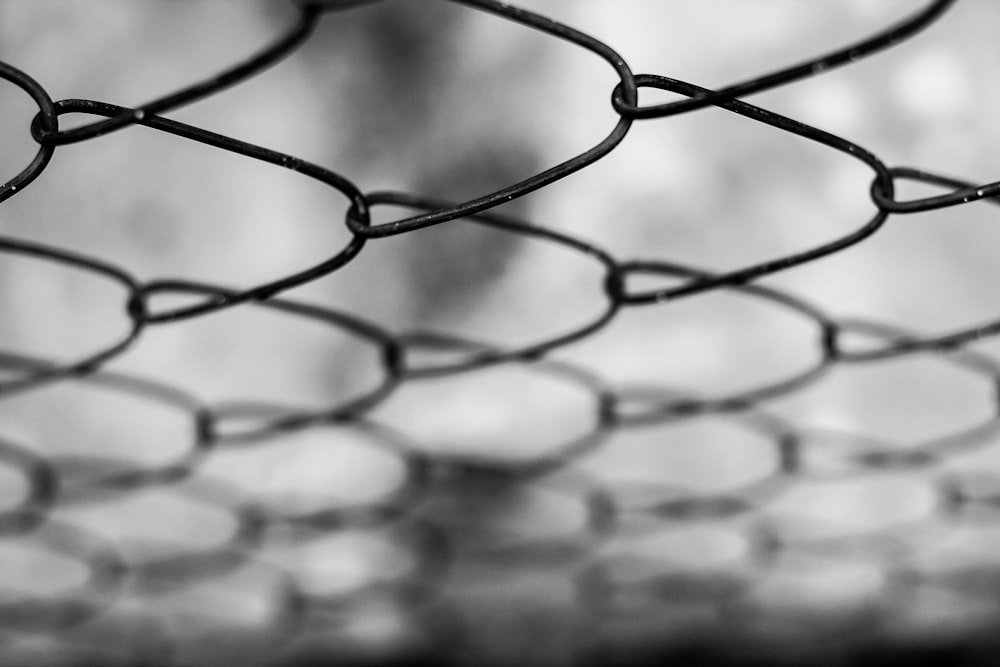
{"x":435,"y":491}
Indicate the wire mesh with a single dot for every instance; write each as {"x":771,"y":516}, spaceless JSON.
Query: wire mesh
{"x":322,"y":461}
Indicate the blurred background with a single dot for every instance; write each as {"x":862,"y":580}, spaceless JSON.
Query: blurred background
{"x":439,"y":99}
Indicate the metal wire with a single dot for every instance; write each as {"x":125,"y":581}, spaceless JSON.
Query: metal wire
{"x":443,"y":512}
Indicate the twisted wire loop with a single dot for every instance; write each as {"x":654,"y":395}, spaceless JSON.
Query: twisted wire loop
{"x":528,"y":515}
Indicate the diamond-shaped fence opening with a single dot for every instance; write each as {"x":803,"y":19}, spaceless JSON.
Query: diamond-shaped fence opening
{"x":564,"y":332}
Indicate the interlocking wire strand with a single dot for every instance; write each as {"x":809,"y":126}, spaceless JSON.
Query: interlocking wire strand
{"x":453,"y":531}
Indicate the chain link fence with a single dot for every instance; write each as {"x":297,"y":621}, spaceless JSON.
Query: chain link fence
{"x":626,"y":456}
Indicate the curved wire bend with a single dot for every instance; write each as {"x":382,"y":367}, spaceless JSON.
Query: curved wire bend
{"x":309,"y":16}
{"x":882,"y":40}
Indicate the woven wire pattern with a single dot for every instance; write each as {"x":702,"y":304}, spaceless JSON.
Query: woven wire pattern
{"x":498,"y":533}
